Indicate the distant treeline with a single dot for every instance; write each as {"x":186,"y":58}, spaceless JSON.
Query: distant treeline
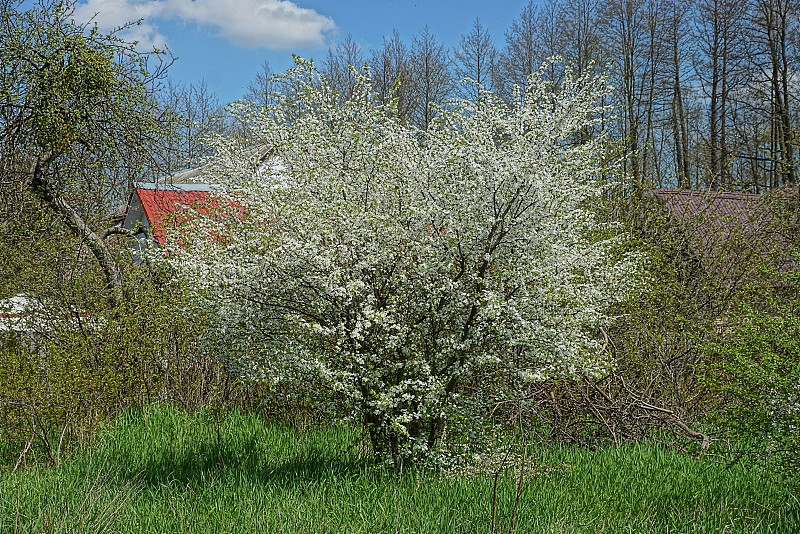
{"x":707,"y":90}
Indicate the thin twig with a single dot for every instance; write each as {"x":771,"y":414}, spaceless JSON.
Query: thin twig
{"x":521,"y":478}
{"x":24,"y":452}
{"x":494,"y":490}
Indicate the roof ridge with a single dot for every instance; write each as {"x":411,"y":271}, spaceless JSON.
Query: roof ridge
{"x":708,"y":193}
{"x":178,"y":187}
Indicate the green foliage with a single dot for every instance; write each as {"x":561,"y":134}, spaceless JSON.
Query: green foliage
{"x":656,"y":336}
{"x":67,"y":88}
{"x":78,"y":123}
{"x":59,"y":95}
{"x":39,"y":256}
{"x":653,"y":342}
{"x":757,"y":365}
{"x":77,"y":367}
{"x":164,"y":470}
{"x":693,"y":285}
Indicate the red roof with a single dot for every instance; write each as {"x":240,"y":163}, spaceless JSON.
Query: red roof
{"x":166,"y":208}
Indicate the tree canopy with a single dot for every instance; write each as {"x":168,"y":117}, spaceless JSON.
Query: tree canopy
{"x":393,"y":266}
{"x":78,"y":121}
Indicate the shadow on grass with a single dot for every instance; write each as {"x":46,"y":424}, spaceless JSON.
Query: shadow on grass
{"x":189,"y":450}
{"x":211,"y":462}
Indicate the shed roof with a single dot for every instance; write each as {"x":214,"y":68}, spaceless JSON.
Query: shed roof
{"x":710,"y":217}
{"x":18,"y":306}
{"x":23,"y":313}
{"x":682,"y":203}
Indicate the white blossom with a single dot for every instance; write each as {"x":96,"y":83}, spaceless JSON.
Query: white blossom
{"x":393,"y":264}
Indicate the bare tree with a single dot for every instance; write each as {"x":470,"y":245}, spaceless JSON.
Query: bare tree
{"x":522,"y":53}
{"x":552,"y":22}
{"x":339,"y":64}
{"x":674,"y":68}
{"x":653,"y":91}
{"x":623,"y":23}
{"x":391,"y":74}
{"x":772,"y":23}
{"x":430,"y":70}
{"x":720,"y":56}
{"x":261,"y":89}
{"x":199,"y":114}
{"x":475,"y":59}
{"x":582,"y":40}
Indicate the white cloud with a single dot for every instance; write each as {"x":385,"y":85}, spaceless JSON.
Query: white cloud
{"x":257,"y":23}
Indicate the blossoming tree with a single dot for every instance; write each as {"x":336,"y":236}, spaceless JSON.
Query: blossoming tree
{"x":393,"y":265}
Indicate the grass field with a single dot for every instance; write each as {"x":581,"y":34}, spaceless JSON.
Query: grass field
{"x":162,"y":470}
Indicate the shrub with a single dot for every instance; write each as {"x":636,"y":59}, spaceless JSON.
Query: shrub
{"x":394,"y":267}
{"x":72,"y":371}
{"x":758,"y":368}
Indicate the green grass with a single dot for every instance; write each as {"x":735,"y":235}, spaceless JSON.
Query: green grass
{"x":166,"y":471}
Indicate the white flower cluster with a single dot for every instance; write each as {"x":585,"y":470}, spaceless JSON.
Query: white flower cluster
{"x":395,"y":264}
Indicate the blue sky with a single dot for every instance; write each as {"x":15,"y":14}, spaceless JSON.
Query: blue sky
{"x":224,"y":42}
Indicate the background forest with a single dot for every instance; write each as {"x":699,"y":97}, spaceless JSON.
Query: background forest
{"x":706,"y":90}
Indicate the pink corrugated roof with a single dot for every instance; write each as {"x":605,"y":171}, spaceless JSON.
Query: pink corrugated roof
{"x":741,"y":207}
{"x":711,"y":216}
{"x":723,"y":225}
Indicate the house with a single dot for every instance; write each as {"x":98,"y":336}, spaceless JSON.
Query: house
{"x":28,"y":319}
{"x":156,"y":207}
{"x":19,"y":314}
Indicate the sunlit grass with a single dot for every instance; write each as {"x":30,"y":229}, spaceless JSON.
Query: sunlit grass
{"x":167,"y":471}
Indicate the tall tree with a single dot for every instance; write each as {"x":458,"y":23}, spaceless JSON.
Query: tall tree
{"x":721,"y":48}
{"x":475,"y":60}
{"x":522,"y":54}
{"x":623,"y":24}
{"x":199,"y":114}
{"x":553,"y":25}
{"x":74,"y":106}
{"x":772,"y":24}
{"x":652,"y":89}
{"x":582,"y":41}
{"x":341,"y":65}
{"x":391,"y":74}
{"x":430,"y":71}
{"x":261,"y":89}
{"x":674,"y":68}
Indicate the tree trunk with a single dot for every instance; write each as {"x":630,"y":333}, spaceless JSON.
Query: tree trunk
{"x":44,"y":190}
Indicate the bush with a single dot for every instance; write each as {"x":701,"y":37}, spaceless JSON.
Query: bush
{"x":395,"y":267}
{"x":76,"y":370}
{"x":758,"y":368}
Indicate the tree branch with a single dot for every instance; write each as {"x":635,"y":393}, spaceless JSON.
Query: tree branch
{"x":117,"y":230}
{"x":43,"y":189}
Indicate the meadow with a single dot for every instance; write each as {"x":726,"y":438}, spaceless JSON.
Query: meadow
{"x":164,"y":470}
